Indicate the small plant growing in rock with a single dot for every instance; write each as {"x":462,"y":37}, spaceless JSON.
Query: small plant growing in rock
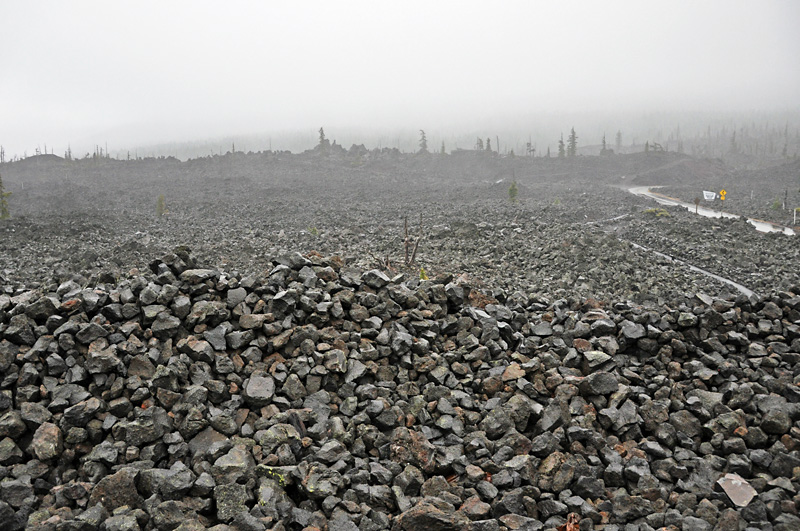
{"x":4,"y":213}
{"x":557,"y":201}
{"x":423,"y":275}
{"x":161,"y":206}
{"x":776,"y":205}
{"x":656,"y":212}
{"x":313,"y":231}
{"x":513,"y":192}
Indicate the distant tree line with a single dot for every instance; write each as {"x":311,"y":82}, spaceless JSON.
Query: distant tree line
{"x":731,"y":141}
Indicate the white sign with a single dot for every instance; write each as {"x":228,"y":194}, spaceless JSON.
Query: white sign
{"x":709,"y":196}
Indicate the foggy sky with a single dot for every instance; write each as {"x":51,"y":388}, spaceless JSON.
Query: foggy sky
{"x":142,"y":72}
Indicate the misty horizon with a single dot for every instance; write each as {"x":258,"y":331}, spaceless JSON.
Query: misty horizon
{"x":542,"y":131}
{"x":139,"y":76}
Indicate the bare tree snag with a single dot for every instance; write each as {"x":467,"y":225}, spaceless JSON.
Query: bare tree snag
{"x":406,"y":241}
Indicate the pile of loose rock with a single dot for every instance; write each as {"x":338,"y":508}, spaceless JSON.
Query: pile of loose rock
{"x":316,"y":396}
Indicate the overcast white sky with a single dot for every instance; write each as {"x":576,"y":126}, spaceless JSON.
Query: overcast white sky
{"x":134,"y":72}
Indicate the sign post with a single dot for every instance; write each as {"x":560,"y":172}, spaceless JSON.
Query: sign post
{"x":722,"y":194}
{"x":696,"y":204}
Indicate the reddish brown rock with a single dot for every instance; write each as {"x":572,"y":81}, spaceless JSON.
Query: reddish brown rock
{"x":48,"y":441}
{"x":581,"y":345}
{"x":411,"y":447}
{"x":513,"y":371}
{"x":474,"y":508}
{"x":428,"y":515}
{"x":117,"y":490}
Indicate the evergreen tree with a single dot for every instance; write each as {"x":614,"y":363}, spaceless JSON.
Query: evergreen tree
{"x":423,"y":142}
{"x":442,"y":147}
{"x":619,"y":140}
{"x":548,"y":152}
{"x":561,"y":152}
{"x":489,"y":145}
{"x":324,"y":143}
{"x":604,"y":143}
{"x":479,"y":144}
{"x":572,"y":143}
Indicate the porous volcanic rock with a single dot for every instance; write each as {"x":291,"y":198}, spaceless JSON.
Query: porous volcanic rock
{"x":373,"y":400}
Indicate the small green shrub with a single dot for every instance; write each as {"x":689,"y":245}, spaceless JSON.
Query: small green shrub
{"x":557,"y":202}
{"x":313,"y":231}
{"x":513,"y":191}
{"x":423,"y":275}
{"x":656,"y":212}
{"x":776,"y":205}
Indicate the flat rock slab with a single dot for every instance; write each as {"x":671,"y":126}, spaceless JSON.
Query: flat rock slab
{"x":740,"y":492}
{"x":193,"y":276}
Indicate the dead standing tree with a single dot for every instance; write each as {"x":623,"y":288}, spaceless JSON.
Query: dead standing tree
{"x":410,"y":247}
{"x":408,"y":241}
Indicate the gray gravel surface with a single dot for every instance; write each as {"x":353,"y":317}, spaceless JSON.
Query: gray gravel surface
{"x":238,"y":211}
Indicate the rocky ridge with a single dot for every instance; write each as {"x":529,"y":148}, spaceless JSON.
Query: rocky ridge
{"x":320,"y":396}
